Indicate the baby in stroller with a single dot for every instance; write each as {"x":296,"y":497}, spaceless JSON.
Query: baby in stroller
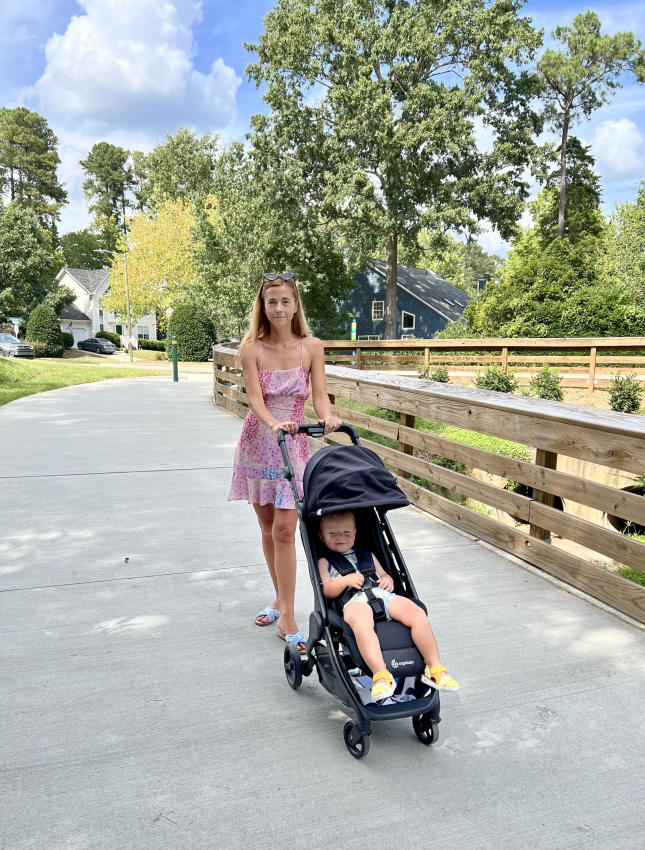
{"x":360,"y":584}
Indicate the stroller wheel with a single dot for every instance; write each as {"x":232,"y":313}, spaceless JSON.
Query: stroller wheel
{"x":359,"y":747}
{"x":425,"y":729}
{"x":293,"y":666}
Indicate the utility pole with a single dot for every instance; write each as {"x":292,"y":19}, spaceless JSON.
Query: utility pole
{"x":127,"y":301}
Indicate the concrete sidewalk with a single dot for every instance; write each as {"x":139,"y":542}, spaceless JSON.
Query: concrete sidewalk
{"x":141,"y":709}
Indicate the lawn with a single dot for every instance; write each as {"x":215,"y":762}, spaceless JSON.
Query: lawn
{"x":26,"y":377}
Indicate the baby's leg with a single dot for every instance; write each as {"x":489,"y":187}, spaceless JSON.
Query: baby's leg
{"x":411,"y":615}
{"x":359,"y":616}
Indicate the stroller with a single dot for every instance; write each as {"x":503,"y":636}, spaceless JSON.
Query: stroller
{"x":355,"y":479}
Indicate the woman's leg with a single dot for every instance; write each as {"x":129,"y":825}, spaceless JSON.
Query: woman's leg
{"x":406,"y":612}
{"x":265,"y":515}
{"x":284,"y":545}
{"x":359,"y":616}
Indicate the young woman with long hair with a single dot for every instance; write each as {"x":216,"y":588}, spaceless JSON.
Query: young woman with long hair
{"x":278,"y":357}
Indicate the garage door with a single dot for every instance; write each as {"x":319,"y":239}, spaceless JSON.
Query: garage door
{"x":79,"y":333}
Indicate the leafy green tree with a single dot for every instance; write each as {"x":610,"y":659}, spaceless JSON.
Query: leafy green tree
{"x":581,"y":75}
{"x":374,"y":104}
{"x":82,"y":249}
{"x":29,"y":161}
{"x":26,"y":261}
{"x":44,"y":327}
{"x":460,"y":263}
{"x":624,"y":259}
{"x":59,"y":297}
{"x":180,"y":168}
{"x":108,"y":182}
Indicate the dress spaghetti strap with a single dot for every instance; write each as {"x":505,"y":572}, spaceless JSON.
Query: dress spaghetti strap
{"x":260,"y":352}
{"x":302,"y":342}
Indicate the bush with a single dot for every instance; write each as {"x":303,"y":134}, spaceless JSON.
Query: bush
{"x":68,"y":340}
{"x":494,"y":378}
{"x":625,"y":394}
{"x":43,"y":327}
{"x":152,"y":344}
{"x":547,"y":384}
{"x":440,"y":374}
{"x":115,"y":338}
{"x":194,"y":331}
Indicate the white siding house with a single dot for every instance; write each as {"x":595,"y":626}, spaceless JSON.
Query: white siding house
{"x":85,"y":317}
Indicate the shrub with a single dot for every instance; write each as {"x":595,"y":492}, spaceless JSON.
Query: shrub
{"x":68,"y":340}
{"x":440,"y":374}
{"x":152,"y":344}
{"x":43,"y":327}
{"x":115,"y":338}
{"x":494,"y":378}
{"x":547,"y":384}
{"x":194,"y":331}
{"x":625,"y":394}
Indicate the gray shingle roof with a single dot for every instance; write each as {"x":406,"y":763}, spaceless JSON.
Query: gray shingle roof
{"x":89,"y":279}
{"x":430,"y":288}
{"x":72,"y":312}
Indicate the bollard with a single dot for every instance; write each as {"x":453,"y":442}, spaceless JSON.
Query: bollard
{"x":175,"y":373}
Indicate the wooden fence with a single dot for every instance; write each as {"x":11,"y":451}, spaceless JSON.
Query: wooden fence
{"x":582,"y":362}
{"x":611,"y":439}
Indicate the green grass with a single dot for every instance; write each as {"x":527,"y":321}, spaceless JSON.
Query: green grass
{"x":22,"y":378}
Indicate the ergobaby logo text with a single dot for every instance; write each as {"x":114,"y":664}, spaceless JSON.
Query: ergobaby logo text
{"x":396,"y":664}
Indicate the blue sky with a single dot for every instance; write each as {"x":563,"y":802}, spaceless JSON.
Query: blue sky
{"x":129,"y":70}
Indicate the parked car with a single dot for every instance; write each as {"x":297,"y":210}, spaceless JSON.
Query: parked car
{"x":100,"y":346}
{"x":12,"y":347}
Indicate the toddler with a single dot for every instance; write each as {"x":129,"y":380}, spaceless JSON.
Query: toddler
{"x":338,"y":533}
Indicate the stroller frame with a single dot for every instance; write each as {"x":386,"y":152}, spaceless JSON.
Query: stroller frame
{"x":325,"y":651}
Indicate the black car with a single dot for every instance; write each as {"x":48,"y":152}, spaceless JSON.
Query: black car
{"x":100,"y":346}
{"x":12,"y":347}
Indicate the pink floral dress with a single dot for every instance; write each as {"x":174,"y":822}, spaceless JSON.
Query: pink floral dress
{"x":258,"y":465}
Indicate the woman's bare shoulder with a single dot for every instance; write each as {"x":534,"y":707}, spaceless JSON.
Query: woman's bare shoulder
{"x":313,"y":344}
{"x":249,"y":349}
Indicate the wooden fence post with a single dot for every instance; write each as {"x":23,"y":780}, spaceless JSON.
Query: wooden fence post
{"x":505,"y":360}
{"x":550,"y":461}
{"x":407,"y":420}
{"x":359,"y":357}
{"x":592,"y":369}
{"x":426,"y":359}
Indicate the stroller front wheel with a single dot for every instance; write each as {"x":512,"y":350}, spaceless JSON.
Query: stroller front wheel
{"x":293,"y":666}
{"x":426,"y":730}
{"x":357,"y":744}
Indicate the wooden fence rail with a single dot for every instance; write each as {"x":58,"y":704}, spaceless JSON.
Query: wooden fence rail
{"x":599,"y":358}
{"x":610,"y":439}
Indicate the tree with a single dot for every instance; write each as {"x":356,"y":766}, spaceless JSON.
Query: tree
{"x":161,"y":253}
{"x":29,"y":161}
{"x":194,"y":332}
{"x":26,"y":261}
{"x":375,"y":105}
{"x":82,"y":249}
{"x":59,"y":298}
{"x":44,"y":327}
{"x":182,"y":167}
{"x":624,"y":259}
{"x":460,"y":263}
{"x":581,"y":75}
{"x":109,"y":179}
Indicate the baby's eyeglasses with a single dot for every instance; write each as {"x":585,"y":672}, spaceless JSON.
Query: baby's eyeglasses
{"x":283,"y":276}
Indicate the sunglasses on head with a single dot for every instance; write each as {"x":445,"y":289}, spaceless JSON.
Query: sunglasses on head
{"x":283,"y":276}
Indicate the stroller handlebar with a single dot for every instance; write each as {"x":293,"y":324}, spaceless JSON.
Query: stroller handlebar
{"x":317,"y":430}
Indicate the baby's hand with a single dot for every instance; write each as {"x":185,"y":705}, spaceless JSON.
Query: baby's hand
{"x":355,"y":580}
{"x":386,"y":583}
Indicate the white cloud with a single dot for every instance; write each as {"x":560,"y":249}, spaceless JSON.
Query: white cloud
{"x":128,"y":64}
{"x":618,"y":146}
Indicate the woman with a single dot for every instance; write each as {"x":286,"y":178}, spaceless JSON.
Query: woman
{"x":278,"y":356}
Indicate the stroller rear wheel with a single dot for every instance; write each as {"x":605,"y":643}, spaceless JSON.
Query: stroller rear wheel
{"x":426,"y":730}
{"x":293,"y":666}
{"x":357,"y":744}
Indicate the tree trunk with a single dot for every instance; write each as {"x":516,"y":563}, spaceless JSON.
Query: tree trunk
{"x":563,"y":173}
{"x":391,"y":310}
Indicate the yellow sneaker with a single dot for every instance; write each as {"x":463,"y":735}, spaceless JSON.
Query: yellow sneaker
{"x":432,"y":676}
{"x":383,"y":686}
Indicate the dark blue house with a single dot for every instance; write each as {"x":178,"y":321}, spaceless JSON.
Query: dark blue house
{"x":426,"y":302}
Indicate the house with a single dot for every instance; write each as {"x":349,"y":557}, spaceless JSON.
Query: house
{"x":85,"y":317}
{"x":426,"y":302}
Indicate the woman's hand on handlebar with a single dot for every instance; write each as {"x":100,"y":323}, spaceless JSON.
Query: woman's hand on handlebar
{"x":331,"y":423}
{"x":288,"y":426}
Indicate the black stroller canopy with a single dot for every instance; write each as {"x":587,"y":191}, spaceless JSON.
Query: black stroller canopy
{"x":347,"y":478}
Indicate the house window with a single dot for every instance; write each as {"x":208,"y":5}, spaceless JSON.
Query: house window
{"x":378,"y":311}
{"x":407,"y":321}
{"x":143,"y":332}
{"x":370,"y":338}
{"x":101,"y":320}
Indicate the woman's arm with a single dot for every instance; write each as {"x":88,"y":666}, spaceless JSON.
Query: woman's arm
{"x":248,"y":356}
{"x":319,"y":386}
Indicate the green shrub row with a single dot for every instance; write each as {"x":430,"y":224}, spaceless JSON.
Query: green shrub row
{"x":111,"y":337}
{"x":152,"y":344}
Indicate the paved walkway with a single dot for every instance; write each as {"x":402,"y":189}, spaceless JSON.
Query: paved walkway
{"x":140,"y":708}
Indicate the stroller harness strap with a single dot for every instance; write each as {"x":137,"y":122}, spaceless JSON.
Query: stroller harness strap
{"x":365,"y":566}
